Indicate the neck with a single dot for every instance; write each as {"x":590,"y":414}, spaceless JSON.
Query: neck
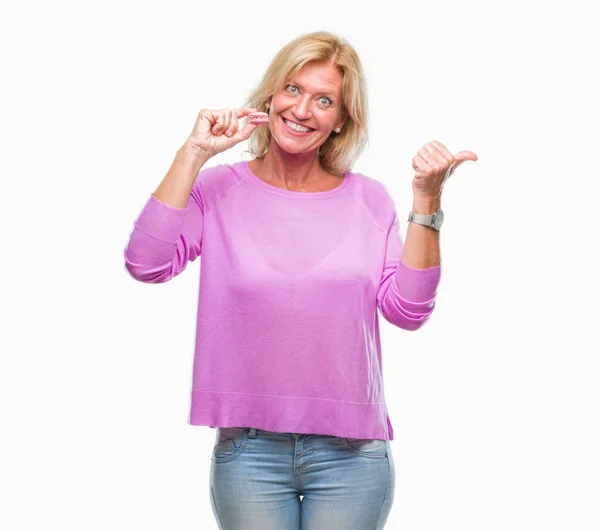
{"x":290,"y":170}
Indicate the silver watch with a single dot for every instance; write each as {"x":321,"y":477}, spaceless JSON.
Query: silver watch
{"x":434,"y":220}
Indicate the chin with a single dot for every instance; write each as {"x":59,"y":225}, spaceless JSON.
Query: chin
{"x":290,"y":147}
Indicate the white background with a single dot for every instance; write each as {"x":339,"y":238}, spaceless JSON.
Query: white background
{"x":494,"y":402}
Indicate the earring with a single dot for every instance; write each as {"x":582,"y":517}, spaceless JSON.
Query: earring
{"x":338,"y":130}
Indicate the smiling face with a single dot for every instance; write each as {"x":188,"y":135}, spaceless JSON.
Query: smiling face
{"x":311,"y":98}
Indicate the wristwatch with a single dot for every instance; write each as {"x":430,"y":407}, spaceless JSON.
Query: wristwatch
{"x":434,"y":220}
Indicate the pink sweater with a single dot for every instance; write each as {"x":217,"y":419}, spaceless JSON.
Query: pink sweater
{"x":287,"y":337}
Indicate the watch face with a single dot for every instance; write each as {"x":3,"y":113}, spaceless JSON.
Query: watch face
{"x":438,"y":219}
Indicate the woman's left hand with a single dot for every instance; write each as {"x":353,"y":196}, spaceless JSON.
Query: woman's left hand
{"x":433,"y":165}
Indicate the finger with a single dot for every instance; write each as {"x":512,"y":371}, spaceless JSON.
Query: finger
{"x":466,"y":155}
{"x":244,"y":111}
{"x":440,"y":146}
{"x":222,"y":120}
{"x":210,"y":116}
{"x":427,"y":157}
{"x":446,"y":158}
{"x":234,"y":125}
{"x":447,"y":155}
{"x":203,"y":122}
{"x":419,"y":163}
{"x":245,"y":132}
{"x":218,"y":126}
{"x":227,"y":120}
{"x":463,"y":156}
{"x":433,"y":156}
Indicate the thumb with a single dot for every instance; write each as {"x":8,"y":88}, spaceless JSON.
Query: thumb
{"x":244,"y":133}
{"x":463,"y":156}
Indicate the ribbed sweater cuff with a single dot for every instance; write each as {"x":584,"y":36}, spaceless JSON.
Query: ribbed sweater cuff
{"x":161,"y":220}
{"x":416,"y":285}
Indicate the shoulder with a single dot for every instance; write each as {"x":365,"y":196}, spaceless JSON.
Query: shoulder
{"x":374,"y":197}
{"x":217,"y":181}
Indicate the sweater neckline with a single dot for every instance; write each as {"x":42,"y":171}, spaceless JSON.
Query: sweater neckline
{"x":295,"y":194}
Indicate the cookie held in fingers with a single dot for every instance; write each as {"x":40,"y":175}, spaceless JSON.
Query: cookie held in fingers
{"x":258,"y":118}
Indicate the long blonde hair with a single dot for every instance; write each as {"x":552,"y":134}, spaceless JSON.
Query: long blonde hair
{"x":339,"y":151}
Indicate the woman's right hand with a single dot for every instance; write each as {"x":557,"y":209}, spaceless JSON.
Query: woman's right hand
{"x":218,"y":130}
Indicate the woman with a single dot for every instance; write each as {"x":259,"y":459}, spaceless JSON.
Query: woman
{"x":298,"y":253}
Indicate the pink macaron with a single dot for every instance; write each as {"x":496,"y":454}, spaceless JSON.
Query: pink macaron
{"x":258,"y":117}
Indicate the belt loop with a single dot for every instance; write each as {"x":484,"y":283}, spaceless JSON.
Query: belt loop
{"x":251,"y":432}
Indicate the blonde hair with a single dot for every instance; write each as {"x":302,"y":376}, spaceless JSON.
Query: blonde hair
{"x":339,"y":151}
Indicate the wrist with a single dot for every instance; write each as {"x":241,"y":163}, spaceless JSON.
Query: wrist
{"x":192,"y":154}
{"x":426,"y":205}
{"x":189,"y":162}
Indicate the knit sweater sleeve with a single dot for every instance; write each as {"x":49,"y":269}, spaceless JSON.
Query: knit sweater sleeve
{"x":405,"y":296}
{"x":164,"y":238}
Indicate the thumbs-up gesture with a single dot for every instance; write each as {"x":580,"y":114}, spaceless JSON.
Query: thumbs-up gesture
{"x":433,"y":166}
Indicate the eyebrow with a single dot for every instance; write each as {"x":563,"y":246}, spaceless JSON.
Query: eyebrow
{"x":322,"y":91}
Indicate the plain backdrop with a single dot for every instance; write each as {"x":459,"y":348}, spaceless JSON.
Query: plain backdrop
{"x":494,"y":401}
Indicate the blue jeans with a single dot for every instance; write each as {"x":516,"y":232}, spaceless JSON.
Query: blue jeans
{"x":257,"y":478}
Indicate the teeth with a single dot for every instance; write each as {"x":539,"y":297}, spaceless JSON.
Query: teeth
{"x":296,"y":127}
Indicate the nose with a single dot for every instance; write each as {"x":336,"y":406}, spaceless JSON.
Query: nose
{"x":301,"y":109}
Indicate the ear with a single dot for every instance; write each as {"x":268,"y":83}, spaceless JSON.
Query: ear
{"x":343,"y":119}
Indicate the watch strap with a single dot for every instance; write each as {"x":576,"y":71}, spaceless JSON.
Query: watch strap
{"x":434,"y":220}
{"x":421,"y":219}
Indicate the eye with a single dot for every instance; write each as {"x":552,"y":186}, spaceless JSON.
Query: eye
{"x":327,"y":103}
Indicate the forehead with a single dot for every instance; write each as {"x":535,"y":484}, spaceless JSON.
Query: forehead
{"x":319,"y":78}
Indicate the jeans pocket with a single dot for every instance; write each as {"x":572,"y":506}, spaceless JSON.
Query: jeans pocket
{"x":229,"y":443}
{"x":372,"y":448}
